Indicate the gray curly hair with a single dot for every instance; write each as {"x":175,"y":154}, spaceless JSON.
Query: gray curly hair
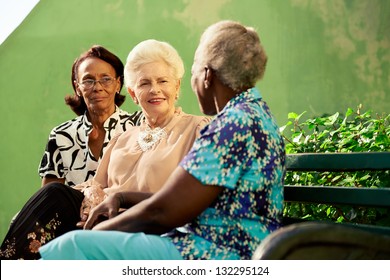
{"x":234,"y":52}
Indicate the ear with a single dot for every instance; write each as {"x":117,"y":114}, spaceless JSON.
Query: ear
{"x":208,"y":77}
{"x":132,"y":94}
{"x":77,"y":87}
{"x":118,"y":86}
{"x":178,"y":85}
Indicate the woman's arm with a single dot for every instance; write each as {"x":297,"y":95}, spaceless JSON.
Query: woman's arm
{"x":109,"y":207}
{"x":179,"y":201}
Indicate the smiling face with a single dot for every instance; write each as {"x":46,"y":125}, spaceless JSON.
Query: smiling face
{"x":99,"y":98}
{"x":156,"y":92}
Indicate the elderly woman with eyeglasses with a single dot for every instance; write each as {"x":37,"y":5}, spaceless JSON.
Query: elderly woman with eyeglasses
{"x":138,"y":160}
{"x":75,"y":146}
{"x":228,"y":189}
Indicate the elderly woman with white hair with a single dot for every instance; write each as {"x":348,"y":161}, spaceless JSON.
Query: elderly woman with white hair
{"x":228,"y":189}
{"x":138,"y":160}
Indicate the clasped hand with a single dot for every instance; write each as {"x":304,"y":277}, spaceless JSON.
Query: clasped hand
{"x":93,"y":196}
{"x":107,"y":209}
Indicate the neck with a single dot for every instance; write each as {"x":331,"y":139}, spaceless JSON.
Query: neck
{"x":97,"y":118}
{"x":158,"y":121}
{"x":222,"y":94}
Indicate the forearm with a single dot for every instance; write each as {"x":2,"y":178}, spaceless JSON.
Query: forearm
{"x":129,"y":199}
{"x":135,"y":219}
{"x":181,"y":200}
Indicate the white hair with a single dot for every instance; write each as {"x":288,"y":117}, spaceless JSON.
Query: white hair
{"x":151,"y":51}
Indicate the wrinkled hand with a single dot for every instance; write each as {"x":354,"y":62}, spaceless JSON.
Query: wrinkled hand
{"x":93,"y":196}
{"x":108,"y":209}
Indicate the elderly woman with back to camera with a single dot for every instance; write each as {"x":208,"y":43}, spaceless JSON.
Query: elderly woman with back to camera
{"x":138,"y":160}
{"x":229,"y":187}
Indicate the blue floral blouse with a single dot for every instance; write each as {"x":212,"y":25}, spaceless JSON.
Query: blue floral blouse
{"x":242,"y":151}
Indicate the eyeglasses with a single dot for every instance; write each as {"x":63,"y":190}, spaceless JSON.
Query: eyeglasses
{"x":90,"y":83}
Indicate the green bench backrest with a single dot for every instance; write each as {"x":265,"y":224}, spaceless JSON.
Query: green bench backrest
{"x":338,"y":161}
{"x":336,"y":194}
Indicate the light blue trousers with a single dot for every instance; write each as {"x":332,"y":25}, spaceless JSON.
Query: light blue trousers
{"x":109,"y":245}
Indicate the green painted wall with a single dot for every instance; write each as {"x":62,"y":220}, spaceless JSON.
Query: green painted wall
{"x":324,"y":56}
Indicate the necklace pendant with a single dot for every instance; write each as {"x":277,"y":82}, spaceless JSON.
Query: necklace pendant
{"x":148,"y":138}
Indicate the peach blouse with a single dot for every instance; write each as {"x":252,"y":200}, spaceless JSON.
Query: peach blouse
{"x":126,"y":167}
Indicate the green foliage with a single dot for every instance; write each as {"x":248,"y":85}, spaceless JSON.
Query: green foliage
{"x":356,"y":131}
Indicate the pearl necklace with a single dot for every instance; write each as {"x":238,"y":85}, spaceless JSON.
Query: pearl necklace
{"x":149,"y":137}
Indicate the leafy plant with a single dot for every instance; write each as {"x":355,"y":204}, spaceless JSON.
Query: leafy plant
{"x":356,"y":131}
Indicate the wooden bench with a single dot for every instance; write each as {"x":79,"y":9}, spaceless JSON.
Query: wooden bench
{"x":299,"y":239}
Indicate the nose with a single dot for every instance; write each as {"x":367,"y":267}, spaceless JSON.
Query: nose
{"x":97,"y":85}
{"x":155,"y":88}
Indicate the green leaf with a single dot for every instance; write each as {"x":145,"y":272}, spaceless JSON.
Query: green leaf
{"x":349,"y":112}
{"x":357,"y":131}
{"x":297,"y":138}
{"x":292,"y":115}
{"x":332,"y":119}
{"x":282,"y":128}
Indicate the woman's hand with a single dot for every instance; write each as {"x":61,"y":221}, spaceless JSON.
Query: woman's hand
{"x":93,"y":196}
{"x":108,"y":209}
{"x":178,"y":202}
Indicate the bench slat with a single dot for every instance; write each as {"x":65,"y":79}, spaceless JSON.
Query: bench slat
{"x":338,"y":161}
{"x":330,"y":245}
{"x":338,"y":195}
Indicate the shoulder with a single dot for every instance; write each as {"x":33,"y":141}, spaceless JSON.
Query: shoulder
{"x":116,"y":137}
{"x":195,"y":119}
{"x":68,"y":125}
{"x":121,"y":121}
{"x":130,"y":131}
{"x":134,"y":118}
{"x":229,"y":124}
{"x":241,"y":115}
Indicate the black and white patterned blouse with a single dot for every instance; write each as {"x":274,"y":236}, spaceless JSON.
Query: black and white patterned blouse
{"x":67,"y":153}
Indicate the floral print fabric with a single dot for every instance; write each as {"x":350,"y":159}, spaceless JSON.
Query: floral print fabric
{"x":36,"y":238}
{"x":242,"y":151}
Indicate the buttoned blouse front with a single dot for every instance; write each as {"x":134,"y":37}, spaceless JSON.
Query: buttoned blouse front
{"x":67,"y":153}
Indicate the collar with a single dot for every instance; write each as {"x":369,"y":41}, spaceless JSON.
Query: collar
{"x":88,"y":125}
{"x":178,"y":113}
{"x":246,"y":96}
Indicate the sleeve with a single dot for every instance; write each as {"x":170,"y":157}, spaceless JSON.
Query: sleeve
{"x":220,"y":154}
{"x":51,"y":164}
